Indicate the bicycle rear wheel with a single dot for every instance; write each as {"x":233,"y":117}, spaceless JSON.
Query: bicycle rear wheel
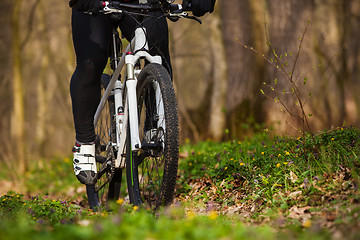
{"x":151,"y":172}
{"x":108,"y":184}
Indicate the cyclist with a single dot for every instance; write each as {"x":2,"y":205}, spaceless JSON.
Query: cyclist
{"x":92,"y":37}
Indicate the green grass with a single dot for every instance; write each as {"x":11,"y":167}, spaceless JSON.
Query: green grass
{"x":42,"y":210}
{"x":265,"y":168}
{"x":257,"y":188}
{"x":30,"y":221}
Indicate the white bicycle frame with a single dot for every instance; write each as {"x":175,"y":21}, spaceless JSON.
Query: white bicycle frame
{"x":135,"y":51}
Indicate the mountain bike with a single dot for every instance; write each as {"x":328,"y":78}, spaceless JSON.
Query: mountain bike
{"x":136,"y":122}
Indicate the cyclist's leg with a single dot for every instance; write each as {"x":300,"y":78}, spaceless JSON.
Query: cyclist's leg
{"x":91,"y":37}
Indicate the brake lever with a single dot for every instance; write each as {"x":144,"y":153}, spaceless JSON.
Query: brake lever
{"x":174,"y":15}
{"x":109,"y":10}
{"x":194,"y":18}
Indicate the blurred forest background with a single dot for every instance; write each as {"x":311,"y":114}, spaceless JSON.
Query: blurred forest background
{"x":217,"y":80}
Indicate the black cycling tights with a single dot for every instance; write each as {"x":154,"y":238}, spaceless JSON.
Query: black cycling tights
{"x":92,"y":38}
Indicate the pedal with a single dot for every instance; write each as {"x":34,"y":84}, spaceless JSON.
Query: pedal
{"x":100,"y":159}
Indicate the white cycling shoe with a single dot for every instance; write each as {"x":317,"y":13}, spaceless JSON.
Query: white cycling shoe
{"x":84,"y":163}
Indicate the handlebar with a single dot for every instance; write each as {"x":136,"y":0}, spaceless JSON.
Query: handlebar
{"x":171,"y":11}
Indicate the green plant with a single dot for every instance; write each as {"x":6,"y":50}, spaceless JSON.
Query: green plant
{"x":227,"y":190}
{"x":42,"y":210}
{"x":268,"y":167}
{"x":11,"y":202}
{"x":292,"y":84}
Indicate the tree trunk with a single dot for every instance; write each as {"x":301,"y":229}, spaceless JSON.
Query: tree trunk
{"x":42,"y":96}
{"x":18,"y":112}
{"x":6,"y":9}
{"x":217,"y":112}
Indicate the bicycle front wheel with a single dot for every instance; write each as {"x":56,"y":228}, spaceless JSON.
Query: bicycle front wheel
{"x":152,"y":171}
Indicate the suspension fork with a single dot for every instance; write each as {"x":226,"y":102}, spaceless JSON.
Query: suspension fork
{"x":131,"y":83}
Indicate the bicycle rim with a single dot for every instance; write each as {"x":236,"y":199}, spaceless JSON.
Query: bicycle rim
{"x":151,"y":171}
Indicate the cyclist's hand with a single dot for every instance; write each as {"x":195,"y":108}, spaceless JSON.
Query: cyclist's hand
{"x":200,"y":7}
{"x":88,"y":6}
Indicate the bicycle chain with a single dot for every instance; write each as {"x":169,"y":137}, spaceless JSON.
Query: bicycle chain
{"x":109,"y":157}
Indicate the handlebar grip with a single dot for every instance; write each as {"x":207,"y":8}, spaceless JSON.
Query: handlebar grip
{"x":181,"y":7}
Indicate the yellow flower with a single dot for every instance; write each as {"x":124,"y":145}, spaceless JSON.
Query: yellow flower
{"x":332,"y":139}
{"x":241,"y":163}
{"x":135,"y":208}
{"x":278,"y":165}
{"x":262,"y":153}
{"x":104,"y":214}
{"x":190,"y":163}
{"x":231,"y":159}
{"x":287,"y":153}
{"x":120,"y":201}
{"x":239,"y":142}
{"x":225,"y":168}
{"x":190,"y":214}
{"x":307,"y":223}
{"x":279,"y":155}
{"x":213,"y":215}
{"x":285,"y":163}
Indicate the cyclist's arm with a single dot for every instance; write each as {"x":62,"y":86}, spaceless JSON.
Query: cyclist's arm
{"x":88,"y":6}
{"x":200,"y":7}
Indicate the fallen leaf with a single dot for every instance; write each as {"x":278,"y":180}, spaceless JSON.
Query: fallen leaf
{"x":293,"y":195}
{"x":183,"y":154}
{"x":293,"y":176}
{"x":297,"y":213}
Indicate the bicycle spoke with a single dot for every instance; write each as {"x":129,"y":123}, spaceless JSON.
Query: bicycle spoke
{"x":107,"y":187}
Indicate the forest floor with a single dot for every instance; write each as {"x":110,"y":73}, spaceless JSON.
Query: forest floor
{"x":258,"y":188}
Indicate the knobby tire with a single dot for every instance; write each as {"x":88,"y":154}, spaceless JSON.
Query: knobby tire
{"x":152,"y":171}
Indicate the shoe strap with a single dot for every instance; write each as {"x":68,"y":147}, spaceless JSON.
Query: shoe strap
{"x":83,"y":162}
{"x":84,"y":159}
